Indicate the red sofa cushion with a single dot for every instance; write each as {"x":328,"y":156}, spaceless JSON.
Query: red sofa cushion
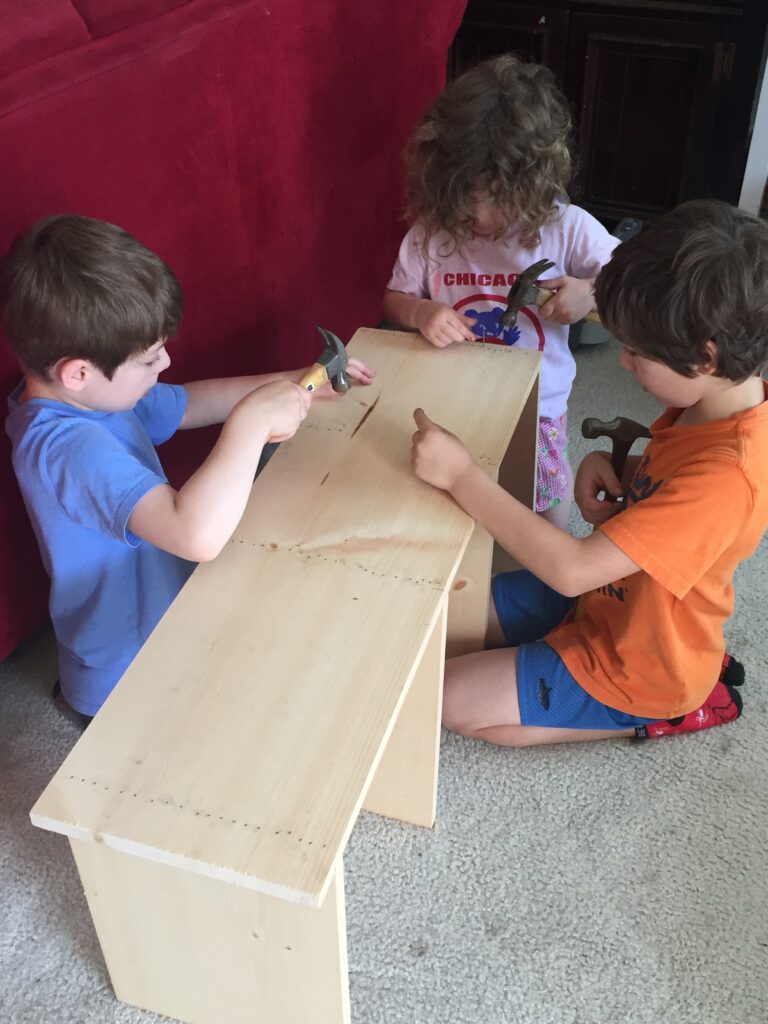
{"x":106,"y":16}
{"x":254,"y":145}
{"x":36,"y":29}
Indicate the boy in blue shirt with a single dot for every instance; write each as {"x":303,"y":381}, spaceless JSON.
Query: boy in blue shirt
{"x":87,"y":310}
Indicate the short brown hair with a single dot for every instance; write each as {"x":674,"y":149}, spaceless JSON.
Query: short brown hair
{"x":698,"y":273}
{"x":75,"y":287}
{"x":503,"y":127}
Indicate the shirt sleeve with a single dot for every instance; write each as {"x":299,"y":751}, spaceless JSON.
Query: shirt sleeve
{"x":589,"y":245}
{"x":161,"y":411}
{"x":95,"y":480}
{"x":410,"y":271}
{"x":677,"y":533}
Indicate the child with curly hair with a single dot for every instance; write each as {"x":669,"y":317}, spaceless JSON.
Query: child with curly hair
{"x":488,"y":169}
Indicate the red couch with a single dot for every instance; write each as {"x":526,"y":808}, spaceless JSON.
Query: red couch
{"x":254,"y":144}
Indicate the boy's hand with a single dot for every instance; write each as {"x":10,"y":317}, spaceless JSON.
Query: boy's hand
{"x":275,"y":409}
{"x":594,"y":475}
{"x":573,"y":299}
{"x":358,"y":373}
{"x":441,"y":325}
{"x":438,"y":457}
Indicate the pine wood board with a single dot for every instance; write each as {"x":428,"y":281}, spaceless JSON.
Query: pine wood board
{"x":241,"y":741}
{"x":198,"y":950}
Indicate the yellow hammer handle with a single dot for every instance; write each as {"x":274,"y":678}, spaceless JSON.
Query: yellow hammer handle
{"x":545,"y":293}
{"x":314,"y":378}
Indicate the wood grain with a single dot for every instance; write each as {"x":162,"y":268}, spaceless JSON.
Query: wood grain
{"x":241,"y":742}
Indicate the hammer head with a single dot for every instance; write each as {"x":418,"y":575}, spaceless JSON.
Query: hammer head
{"x":524,"y":291}
{"x":334,"y":360}
{"x":623,"y":433}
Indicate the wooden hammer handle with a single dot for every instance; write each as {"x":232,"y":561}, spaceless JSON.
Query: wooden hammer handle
{"x":545,"y":294}
{"x":314,"y":378}
{"x":622,"y":433}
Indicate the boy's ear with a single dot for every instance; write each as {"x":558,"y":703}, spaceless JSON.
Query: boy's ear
{"x":710,"y":363}
{"x":73,"y":374}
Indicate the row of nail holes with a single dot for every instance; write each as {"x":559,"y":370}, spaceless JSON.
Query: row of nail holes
{"x":199,"y":814}
{"x":341,"y":561}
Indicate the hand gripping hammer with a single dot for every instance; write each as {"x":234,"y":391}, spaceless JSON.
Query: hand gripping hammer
{"x":331,"y":365}
{"x":623,"y":433}
{"x":526,"y":292}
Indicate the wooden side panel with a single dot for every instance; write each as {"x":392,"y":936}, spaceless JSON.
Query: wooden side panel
{"x":405,"y":783}
{"x":469,"y":594}
{"x":517,"y":472}
{"x":207,"y":952}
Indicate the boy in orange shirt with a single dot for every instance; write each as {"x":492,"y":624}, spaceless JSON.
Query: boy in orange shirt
{"x":688,"y":297}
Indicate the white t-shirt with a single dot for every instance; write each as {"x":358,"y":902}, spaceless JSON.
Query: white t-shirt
{"x":475,"y":281}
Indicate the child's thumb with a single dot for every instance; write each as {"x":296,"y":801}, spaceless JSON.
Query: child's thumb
{"x":421,"y":418}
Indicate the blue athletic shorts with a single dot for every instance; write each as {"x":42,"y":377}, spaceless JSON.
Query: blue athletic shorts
{"x":547,"y":692}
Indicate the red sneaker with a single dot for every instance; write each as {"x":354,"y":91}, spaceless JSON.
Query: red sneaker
{"x":723,"y":705}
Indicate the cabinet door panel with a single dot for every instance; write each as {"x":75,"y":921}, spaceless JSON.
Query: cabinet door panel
{"x":647,"y":91}
{"x":538,"y":34}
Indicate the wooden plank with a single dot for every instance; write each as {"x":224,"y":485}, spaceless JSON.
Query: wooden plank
{"x":196,"y":949}
{"x":517,"y":472}
{"x":240,"y":742}
{"x":470,"y":593}
{"x":405,"y":784}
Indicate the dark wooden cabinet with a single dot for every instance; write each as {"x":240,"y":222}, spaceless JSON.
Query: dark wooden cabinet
{"x":662,"y":91}
{"x":537,"y":33}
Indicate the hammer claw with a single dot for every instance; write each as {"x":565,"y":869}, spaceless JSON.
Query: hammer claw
{"x":532,"y":273}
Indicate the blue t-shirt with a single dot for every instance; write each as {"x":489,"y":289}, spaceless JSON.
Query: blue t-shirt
{"x":81,"y":474}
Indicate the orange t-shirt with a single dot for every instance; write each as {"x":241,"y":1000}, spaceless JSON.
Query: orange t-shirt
{"x":651,"y":644}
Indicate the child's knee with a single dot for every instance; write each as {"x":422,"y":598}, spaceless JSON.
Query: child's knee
{"x":459,"y":711}
{"x":452,"y":715}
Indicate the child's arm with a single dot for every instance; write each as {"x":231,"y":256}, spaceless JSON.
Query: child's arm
{"x":570,"y":565}
{"x":438,"y":323}
{"x":198,"y":520}
{"x":211,"y":401}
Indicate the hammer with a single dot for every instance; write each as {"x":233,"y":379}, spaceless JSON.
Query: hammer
{"x":332,"y":365}
{"x":623,"y":433}
{"x":525,"y":291}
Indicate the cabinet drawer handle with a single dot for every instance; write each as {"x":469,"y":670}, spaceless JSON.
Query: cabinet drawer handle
{"x":728,"y":61}
{"x":717,"y":66}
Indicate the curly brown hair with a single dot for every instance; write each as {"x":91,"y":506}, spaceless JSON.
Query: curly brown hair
{"x":698,"y":273}
{"x":501,"y":128}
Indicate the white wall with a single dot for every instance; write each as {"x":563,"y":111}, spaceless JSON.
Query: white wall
{"x":756,"y":171}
